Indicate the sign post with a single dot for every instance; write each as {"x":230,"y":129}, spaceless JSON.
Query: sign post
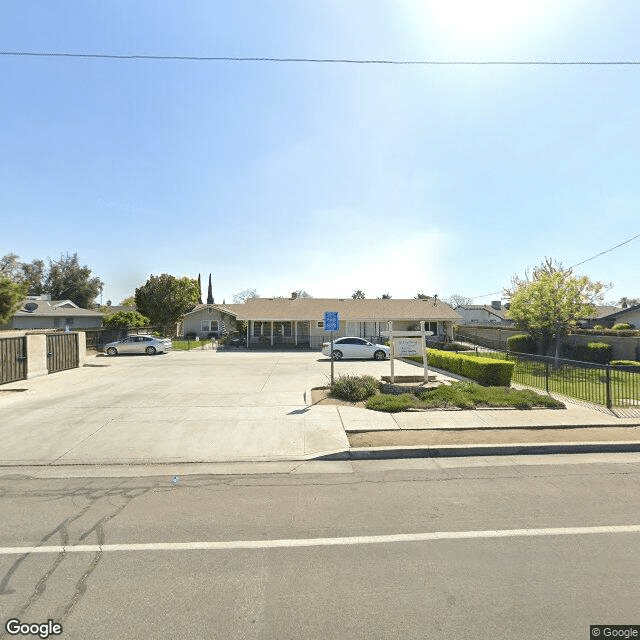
{"x":331,"y":323}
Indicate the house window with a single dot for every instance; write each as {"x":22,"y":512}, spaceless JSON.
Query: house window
{"x":68,"y":321}
{"x":257,"y":328}
{"x":214,"y":325}
{"x":205,"y":326}
{"x":321,"y":324}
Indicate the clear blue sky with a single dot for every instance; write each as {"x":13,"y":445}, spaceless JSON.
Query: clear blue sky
{"x":328,"y":178}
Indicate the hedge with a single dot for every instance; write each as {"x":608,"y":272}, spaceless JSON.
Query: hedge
{"x":598,"y":352}
{"x":486,"y":371}
{"x":522,"y":343}
{"x":626,"y":365}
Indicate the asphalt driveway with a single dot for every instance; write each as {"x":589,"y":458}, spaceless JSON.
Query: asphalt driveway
{"x":196,"y":406}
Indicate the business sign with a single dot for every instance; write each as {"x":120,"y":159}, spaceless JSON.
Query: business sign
{"x":331,"y":321}
{"x":408,"y":347}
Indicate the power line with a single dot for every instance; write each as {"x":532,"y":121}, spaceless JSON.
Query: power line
{"x":113,"y":56}
{"x":577,"y":264}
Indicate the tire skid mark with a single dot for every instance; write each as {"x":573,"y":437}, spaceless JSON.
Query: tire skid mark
{"x":95,"y":497}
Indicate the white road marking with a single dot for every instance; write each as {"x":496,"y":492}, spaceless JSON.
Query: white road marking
{"x":321,"y":542}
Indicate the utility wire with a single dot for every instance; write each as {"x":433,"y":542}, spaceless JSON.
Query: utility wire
{"x":113,"y":56}
{"x":577,"y":264}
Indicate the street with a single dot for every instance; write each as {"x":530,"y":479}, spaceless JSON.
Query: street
{"x":254,"y":555}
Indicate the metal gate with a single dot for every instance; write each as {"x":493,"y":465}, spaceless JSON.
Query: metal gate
{"x":62,"y":352}
{"x":13,"y":359}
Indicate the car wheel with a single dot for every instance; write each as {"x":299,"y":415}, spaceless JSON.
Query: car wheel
{"x":150,"y":351}
{"x":379,"y":355}
{"x":337,"y":354}
{"x":112,"y":351}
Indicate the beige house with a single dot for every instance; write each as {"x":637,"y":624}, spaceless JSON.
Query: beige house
{"x":40,"y":312}
{"x":273,"y":322}
{"x":208,"y":319}
{"x":494,"y":313}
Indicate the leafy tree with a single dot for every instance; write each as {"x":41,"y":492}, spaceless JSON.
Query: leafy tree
{"x":11,"y":296}
{"x":551,"y":300}
{"x":210,"y":292}
{"x":129,"y":301}
{"x":126,"y":319}
{"x":66,"y":279}
{"x":457,"y":300}
{"x":240,"y":297}
{"x":62,"y":279}
{"x":165,"y":299}
{"x":421,"y":296}
{"x":385,"y":296}
{"x":358,"y":295}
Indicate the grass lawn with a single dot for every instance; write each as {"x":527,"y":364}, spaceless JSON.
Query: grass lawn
{"x":462,"y":395}
{"x":185,"y":345}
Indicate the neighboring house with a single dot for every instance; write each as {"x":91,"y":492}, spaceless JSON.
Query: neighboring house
{"x":493,"y":313}
{"x":299,"y":321}
{"x":630,"y":315}
{"x":209,"y":318}
{"x":40,"y":312}
{"x":601,"y":312}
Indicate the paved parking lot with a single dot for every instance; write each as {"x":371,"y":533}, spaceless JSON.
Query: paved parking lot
{"x":196,"y":406}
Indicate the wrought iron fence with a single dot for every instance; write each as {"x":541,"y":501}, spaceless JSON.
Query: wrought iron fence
{"x":615,"y":387}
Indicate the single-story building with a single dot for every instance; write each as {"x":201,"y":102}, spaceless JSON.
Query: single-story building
{"x":299,"y":321}
{"x":630,"y":315}
{"x":40,"y":312}
{"x":598,"y":317}
{"x":494,"y":313}
{"x":207,"y":319}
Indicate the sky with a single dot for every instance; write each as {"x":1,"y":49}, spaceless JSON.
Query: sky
{"x":323,"y":177}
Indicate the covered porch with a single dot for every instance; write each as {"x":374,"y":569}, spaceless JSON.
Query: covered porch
{"x":278,"y":333}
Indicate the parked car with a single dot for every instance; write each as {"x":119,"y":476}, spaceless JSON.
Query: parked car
{"x":138,"y":344}
{"x":352,"y":347}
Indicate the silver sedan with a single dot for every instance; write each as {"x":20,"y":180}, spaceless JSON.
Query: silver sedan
{"x":138,"y":344}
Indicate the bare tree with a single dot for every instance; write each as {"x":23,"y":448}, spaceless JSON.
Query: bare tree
{"x":358,"y":295}
{"x":457,"y":300}
{"x":242,"y":296}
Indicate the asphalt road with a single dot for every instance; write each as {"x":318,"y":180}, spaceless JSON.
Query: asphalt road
{"x":262,"y":559}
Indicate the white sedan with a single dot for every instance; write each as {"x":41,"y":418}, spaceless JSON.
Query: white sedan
{"x":138,"y":344}
{"x":352,"y":347}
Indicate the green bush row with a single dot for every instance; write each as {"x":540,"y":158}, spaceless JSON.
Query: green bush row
{"x":598,"y":352}
{"x":486,"y":371}
{"x":522,"y":343}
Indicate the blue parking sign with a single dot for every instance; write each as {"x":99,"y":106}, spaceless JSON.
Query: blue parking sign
{"x":331,"y":321}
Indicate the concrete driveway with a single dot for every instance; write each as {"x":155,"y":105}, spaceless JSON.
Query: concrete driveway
{"x":197,"y":406}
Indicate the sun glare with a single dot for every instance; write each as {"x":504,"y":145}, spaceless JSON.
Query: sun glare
{"x":481,"y":20}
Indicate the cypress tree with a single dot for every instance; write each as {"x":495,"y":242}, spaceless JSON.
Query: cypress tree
{"x":210,"y":292}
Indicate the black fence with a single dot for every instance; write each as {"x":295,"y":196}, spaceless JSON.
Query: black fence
{"x":97,"y":338}
{"x":616,"y":388}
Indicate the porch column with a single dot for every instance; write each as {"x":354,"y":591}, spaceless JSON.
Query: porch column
{"x":271,"y":323}
{"x":295,"y":332}
{"x":248,"y":331}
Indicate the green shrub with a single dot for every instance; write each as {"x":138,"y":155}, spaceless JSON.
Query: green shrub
{"x":486,"y":371}
{"x":354,"y":388}
{"x":126,"y":319}
{"x":191,"y":335}
{"x":598,"y":352}
{"x":467,"y":395}
{"x":522,"y":343}
{"x":621,"y":326}
{"x":598,"y":327}
{"x":627,"y":365}
{"x":455,"y":346}
{"x":392,"y":403}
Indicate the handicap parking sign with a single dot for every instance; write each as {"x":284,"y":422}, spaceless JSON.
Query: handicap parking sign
{"x":331,"y":321}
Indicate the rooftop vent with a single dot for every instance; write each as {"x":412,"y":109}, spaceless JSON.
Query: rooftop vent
{"x":31,"y":306}
{"x":496,"y":304}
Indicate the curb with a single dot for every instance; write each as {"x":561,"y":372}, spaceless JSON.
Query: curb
{"x":458,"y":451}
